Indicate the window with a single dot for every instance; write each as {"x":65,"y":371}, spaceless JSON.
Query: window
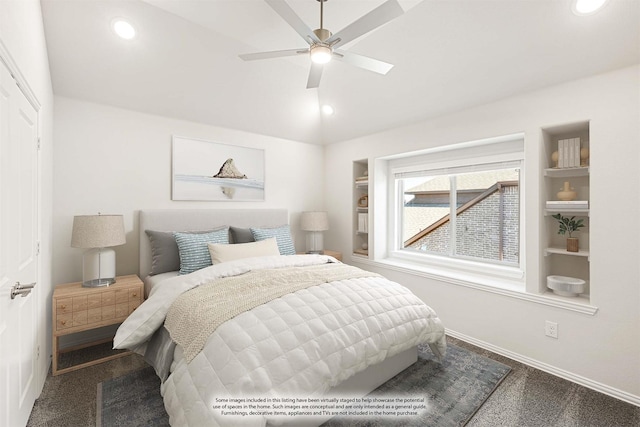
{"x":474,"y":215}
{"x":459,"y":206}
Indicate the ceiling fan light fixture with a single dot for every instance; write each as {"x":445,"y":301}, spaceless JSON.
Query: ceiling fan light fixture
{"x":320,"y":54}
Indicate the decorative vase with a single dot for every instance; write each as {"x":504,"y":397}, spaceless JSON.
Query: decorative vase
{"x":567,"y":193}
{"x":584,"y":156}
{"x":572,"y":244}
{"x":554,"y":158}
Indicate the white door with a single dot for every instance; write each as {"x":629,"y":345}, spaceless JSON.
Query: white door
{"x":18,"y":251}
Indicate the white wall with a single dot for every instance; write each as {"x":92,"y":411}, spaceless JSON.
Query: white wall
{"x":22,"y":35}
{"x":600,"y":351}
{"x":117,"y":161}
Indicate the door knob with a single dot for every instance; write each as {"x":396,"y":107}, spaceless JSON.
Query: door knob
{"x":20,"y":289}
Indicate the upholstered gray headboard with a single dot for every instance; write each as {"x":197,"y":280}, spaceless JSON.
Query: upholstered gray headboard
{"x":201,"y":219}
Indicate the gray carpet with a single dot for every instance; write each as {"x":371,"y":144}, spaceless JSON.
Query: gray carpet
{"x":455,"y":390}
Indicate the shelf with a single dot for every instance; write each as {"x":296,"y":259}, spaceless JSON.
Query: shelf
{"x":362,"y":184}
{"x":576,"y":212}
{"x":362,"y":232}
{"x":362,"y":209}
{"x":566,"y":172}
{"x":562,"y":251}
{"x":362,"y":252}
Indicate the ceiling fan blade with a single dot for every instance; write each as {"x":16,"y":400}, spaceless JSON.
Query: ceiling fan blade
{"x":273,"y":54}
{"x":361,"y":61}
{"x":379,"y":16}
{"x":315,"y":73}
{"x":284,"y":10}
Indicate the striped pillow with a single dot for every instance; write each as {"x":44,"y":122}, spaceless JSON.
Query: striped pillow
{"x":282,"y":235}
{"x":193,"y":249}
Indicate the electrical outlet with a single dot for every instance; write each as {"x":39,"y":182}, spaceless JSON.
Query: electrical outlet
{"x":551,"y":329}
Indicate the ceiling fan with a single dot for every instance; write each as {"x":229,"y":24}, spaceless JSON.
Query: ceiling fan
{"x":323,"y":45}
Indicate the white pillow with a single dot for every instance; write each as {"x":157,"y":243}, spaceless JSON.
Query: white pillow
{"x":223,"y":253}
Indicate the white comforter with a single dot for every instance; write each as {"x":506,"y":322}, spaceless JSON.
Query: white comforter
{"x":299,"y":345}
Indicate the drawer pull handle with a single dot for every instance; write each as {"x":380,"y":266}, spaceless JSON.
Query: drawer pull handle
{"x":63,"y":322}
{"x":135,"y":294}
{"x":63,"y":306}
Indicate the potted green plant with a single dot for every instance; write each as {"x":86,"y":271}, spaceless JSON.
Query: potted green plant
{"x":568,"y":226}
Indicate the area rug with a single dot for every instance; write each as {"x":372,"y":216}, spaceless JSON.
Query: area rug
{"x":454,"y":389}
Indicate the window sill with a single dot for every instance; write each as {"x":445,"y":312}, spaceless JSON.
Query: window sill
{"x":513,"y":288}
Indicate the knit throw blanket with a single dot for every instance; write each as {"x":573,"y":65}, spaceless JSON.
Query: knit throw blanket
{"x":196,"y":314}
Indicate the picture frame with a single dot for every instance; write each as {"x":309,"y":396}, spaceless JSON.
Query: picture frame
{"x":212,"y":171}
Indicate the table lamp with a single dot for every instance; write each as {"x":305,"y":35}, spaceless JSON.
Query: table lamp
{"x":315,"y":223}
{"x":98,"y":233}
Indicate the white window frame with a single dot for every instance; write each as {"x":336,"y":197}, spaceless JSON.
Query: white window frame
{"x":493,"y":153}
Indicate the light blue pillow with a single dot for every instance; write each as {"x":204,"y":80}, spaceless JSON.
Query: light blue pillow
{"x":193,"y":249}
{"x":282,"y":235}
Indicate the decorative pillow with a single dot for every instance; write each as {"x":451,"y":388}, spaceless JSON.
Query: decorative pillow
{"x":193,"y":250}
{"x":164,"y":250}
{"x":223,"y":253}
{"x":282,"y":235}
{"x":241,"y":235}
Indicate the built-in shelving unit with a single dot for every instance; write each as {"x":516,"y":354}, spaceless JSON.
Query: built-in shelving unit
{"x":361,"y":208}
{"x":557,"y":260}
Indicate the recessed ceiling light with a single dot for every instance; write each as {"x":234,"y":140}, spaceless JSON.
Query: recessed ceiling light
{"x":586,"y":7}
{"x":124,"y":29}
{"x":327,"y":110}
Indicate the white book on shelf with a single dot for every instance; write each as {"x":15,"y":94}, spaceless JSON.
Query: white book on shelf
{"x":572,"y":154}
{"x":567,"y":202}
{"x":566,"y":154}
{"x":560,"y":153}
{"x":362,"y":222}
{"x":576,"y":147}
{"x":561,"y":204}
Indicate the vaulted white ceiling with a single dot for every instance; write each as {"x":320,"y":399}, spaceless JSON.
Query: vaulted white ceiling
{"x":448,"y":55}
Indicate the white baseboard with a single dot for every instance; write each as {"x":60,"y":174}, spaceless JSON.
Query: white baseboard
{"x":586,"y":382}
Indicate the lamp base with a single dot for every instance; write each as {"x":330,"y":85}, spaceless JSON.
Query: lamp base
{"x":98,"y":267}
{"x":314,"y":242}
{"x":97,"y":283}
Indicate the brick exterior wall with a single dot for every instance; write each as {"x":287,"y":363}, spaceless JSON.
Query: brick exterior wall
{"x":478,"y":230}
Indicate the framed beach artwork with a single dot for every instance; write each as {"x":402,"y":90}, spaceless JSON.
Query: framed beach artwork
{"x":206,"y":170}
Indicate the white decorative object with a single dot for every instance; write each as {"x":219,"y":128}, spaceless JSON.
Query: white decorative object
{"x":315,"y":223}
{"x":566,"y":286}
{"x":98,"y":233}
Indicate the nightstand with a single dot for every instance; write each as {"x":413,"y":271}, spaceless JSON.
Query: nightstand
{"x":337,"y":255}
{"x":76,"y":309}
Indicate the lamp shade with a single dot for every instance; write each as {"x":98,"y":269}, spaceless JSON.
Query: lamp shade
{"x":314,"y":221}
{"x":97,"y":231}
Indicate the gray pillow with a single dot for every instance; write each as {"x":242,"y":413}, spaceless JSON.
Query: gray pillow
{"x":164,"y":250}
{"x":241,"y":235}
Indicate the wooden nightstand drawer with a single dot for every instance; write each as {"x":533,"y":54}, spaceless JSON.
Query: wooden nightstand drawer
{"x":64,"y":321}
{"x":64,"y":305}
{"x":79,"y":318}
{"x":108,"y":312}
{"x":77,"y":309}
{"x":135,"y":295}
{"x":108,"y":298}
{"x":79,"y":303}
{"x":122,"y":310}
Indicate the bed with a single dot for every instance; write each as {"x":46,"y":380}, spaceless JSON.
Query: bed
{"x":267,"y":324}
